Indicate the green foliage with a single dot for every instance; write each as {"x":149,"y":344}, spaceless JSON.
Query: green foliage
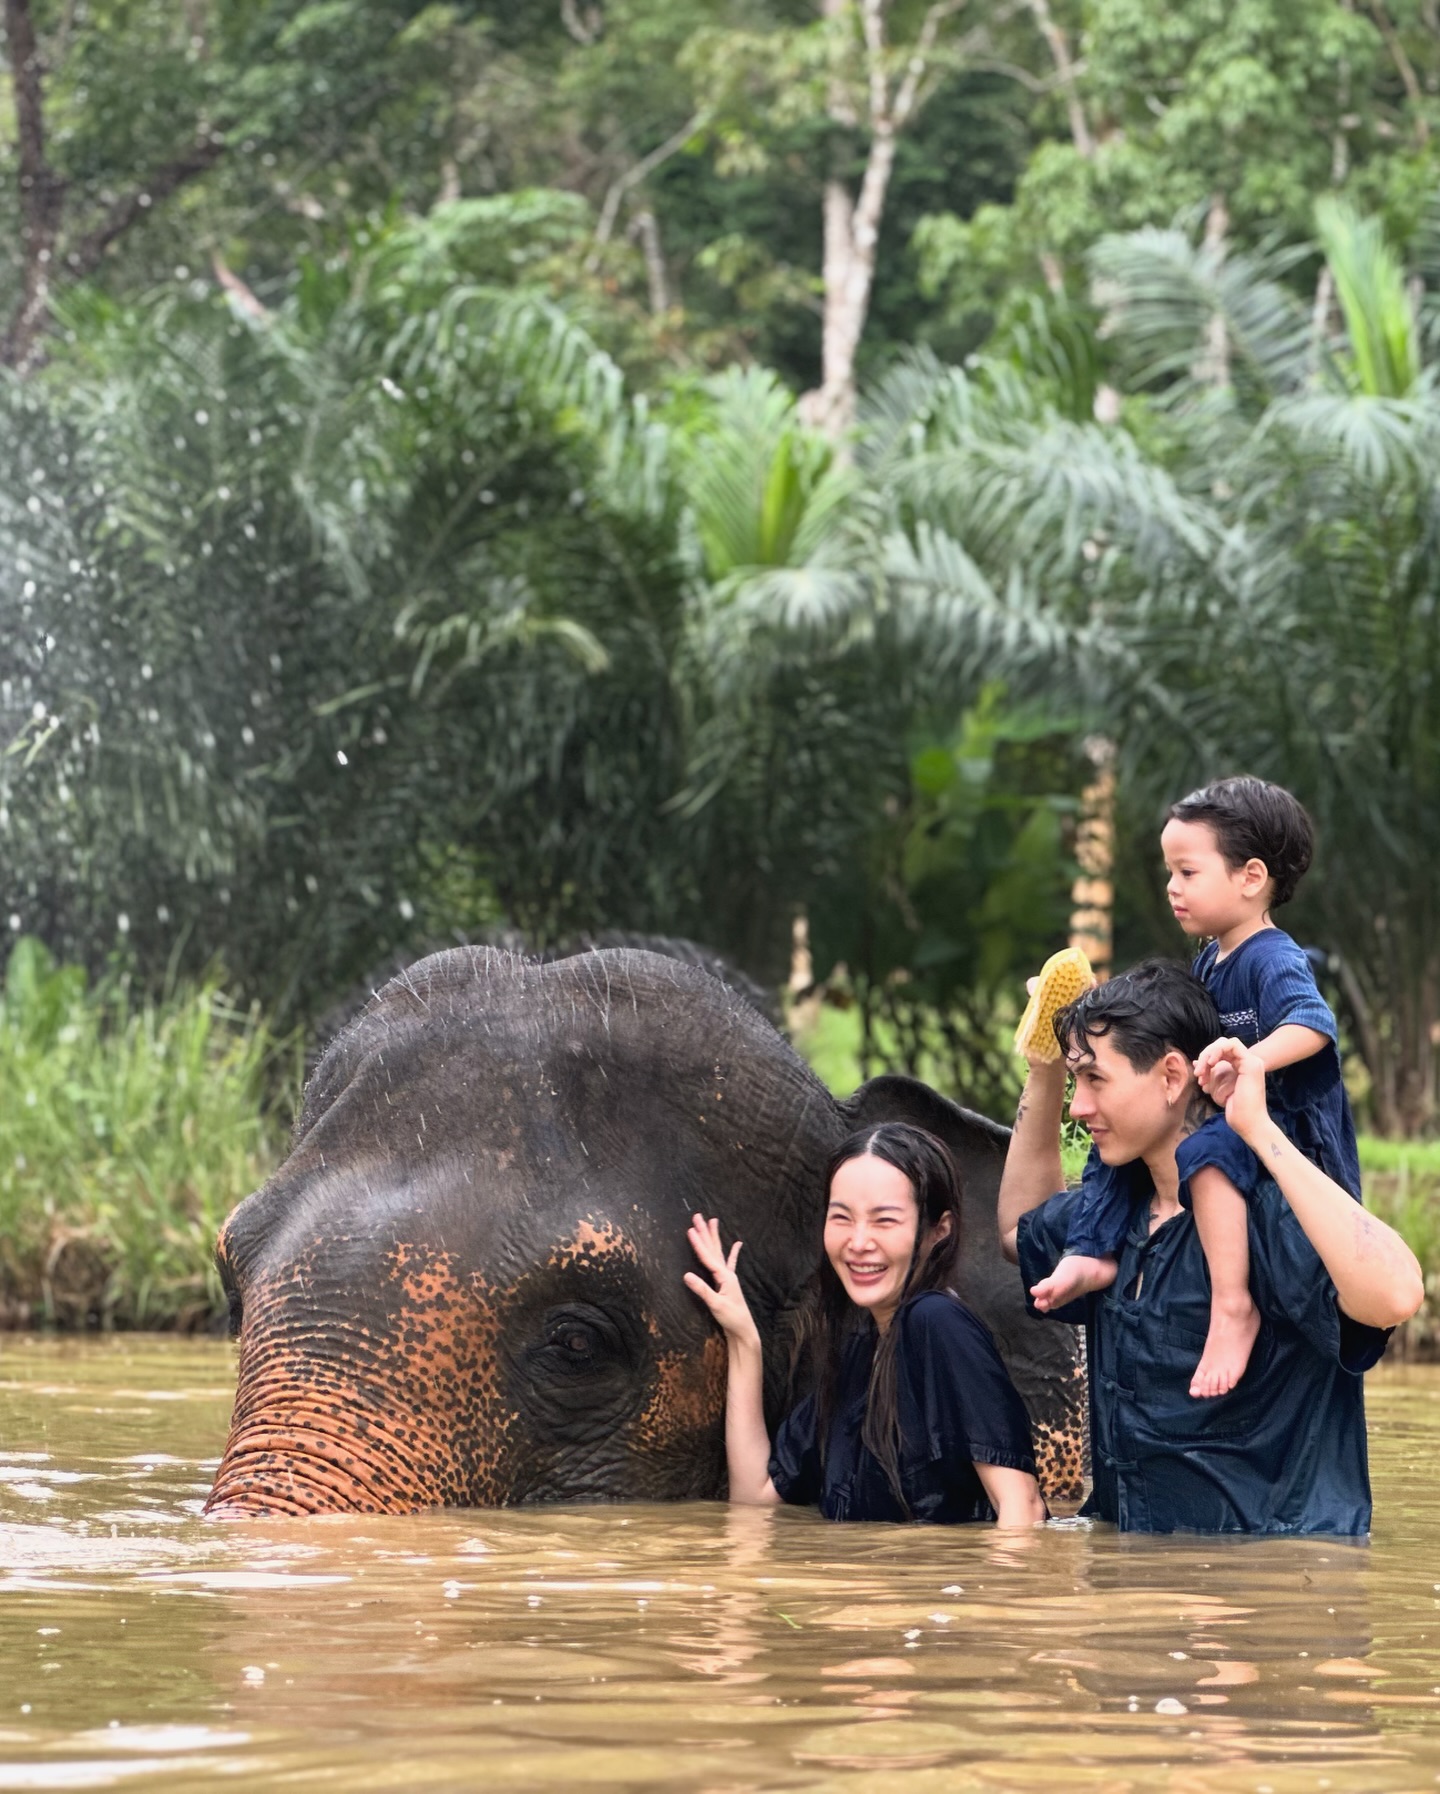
{"x":1380,"y":324}
{"x":427,"y":581}
{"x":1164,"y":293}
{"x":964,"y":886}
{"x":307,"y":544}
{"x":130,"y":1129}
{"x":1402,"y":1186}
{"x":782,"y":524}
{"x":1259,"y":106}
{"x":766,"y":492}
{"x":1307,"y":643}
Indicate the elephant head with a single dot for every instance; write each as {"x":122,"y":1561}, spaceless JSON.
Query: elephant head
{"x":463,"y":1286}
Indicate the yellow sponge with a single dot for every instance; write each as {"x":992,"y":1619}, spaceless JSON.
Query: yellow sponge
{"x":1063,"y":977}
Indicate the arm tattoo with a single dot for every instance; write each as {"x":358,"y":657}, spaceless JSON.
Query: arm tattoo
{"x":1369,"y":1241}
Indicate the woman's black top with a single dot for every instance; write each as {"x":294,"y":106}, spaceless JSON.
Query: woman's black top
{"x":957,"y":1407}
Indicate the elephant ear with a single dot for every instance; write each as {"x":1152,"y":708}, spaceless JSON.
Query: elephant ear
{"x":1043,"y":1357}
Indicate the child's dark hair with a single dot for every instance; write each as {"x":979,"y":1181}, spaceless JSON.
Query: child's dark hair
{"x":1155,"y":1008}
{"x":827,"y":1317}
{"x":1254,"y":820}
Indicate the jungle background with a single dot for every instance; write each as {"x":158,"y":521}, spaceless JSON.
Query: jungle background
{"x":686,"y":467}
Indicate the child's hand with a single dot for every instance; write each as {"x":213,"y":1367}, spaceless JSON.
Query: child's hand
{"x":1241,"y":1071}
{"x":1216,"y":1073}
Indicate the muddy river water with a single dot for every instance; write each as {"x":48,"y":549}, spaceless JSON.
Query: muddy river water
{"x":691,"y":1648}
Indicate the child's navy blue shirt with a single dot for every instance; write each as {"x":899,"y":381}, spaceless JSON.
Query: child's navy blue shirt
{"x":956,"y":1405}
{"x":1263,"y":984}
{"x":1266,"y":983}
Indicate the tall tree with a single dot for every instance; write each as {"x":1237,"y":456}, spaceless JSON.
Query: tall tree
{"x":888,"y":100}
{"x":857,"y":80}
{"x":49,"y":252}
{"x":1245,"y":112}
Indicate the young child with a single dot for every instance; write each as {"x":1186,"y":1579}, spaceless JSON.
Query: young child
{"x":1234,"y":851}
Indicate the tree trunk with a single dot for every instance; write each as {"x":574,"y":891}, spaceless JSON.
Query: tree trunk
{"x":852,"y":230}
{"x":42,"y":192}
{"x":1212,"y":365}
{"x":657,"y":275}
{"x":1394,"y":1011}
{"x":802,"y":994}
{"x":1092,"y":896}
{"x":852,"y":226}
{"x":1059,"y":48}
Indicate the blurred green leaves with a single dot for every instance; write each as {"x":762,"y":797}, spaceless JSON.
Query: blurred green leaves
{"x":965,"y":886}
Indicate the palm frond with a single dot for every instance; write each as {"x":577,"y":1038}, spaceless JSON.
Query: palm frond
{"x":1374,"y":440}
{"x":1162,"y":295}
{"x":1380,"y":324}
{"x":1060,"y":498}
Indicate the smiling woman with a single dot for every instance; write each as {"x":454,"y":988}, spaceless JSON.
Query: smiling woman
{"x":912,"y":1414}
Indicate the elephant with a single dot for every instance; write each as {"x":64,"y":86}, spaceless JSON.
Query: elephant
{"x":463,"y":1287}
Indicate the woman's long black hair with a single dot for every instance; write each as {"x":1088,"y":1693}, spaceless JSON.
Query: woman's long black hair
{"x":827,"y":1317}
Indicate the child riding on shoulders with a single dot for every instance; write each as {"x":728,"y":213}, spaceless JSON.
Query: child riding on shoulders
{"x":1235,"y":851}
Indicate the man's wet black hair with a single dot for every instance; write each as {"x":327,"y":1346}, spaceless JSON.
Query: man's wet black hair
{"x":1146,"y":1012}
{"x":1254,"y":820}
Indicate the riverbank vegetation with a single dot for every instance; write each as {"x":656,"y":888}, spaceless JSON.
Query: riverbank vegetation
{"x":130,"y":1126}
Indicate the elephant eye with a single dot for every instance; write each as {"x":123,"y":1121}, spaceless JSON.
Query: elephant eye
{"x":582,"y":1340}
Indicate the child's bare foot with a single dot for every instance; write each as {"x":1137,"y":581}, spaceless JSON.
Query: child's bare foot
{"x":1074,"y":1276}
{"x":1234,"y":1324}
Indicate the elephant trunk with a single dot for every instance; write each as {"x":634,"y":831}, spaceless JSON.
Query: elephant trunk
{"x":291,"y":1469}
{"x":307,"y":1441}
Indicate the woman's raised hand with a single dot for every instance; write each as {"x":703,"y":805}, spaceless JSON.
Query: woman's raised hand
{"x":1233,"y":1075}
{"x":725,"y":1299}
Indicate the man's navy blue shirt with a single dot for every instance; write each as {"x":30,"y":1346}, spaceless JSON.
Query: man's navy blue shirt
{"x":1263,"y":984}
{"x":956,"y":1405}
{"x":1285,"y":1450}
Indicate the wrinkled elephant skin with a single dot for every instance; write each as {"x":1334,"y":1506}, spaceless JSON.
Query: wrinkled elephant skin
{"x":463,"y":1286}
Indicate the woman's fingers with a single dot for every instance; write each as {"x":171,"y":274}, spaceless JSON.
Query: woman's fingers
{"x":704,"y":1237}
{"x":725,"y":1298}
{"x":701,"y":1288}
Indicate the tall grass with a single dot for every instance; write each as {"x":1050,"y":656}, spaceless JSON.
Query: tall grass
{"x":1401,"y":1180}
{"x":128,"y":1129}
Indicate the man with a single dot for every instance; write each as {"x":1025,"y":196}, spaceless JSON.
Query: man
{"x":1284,"y":1451}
